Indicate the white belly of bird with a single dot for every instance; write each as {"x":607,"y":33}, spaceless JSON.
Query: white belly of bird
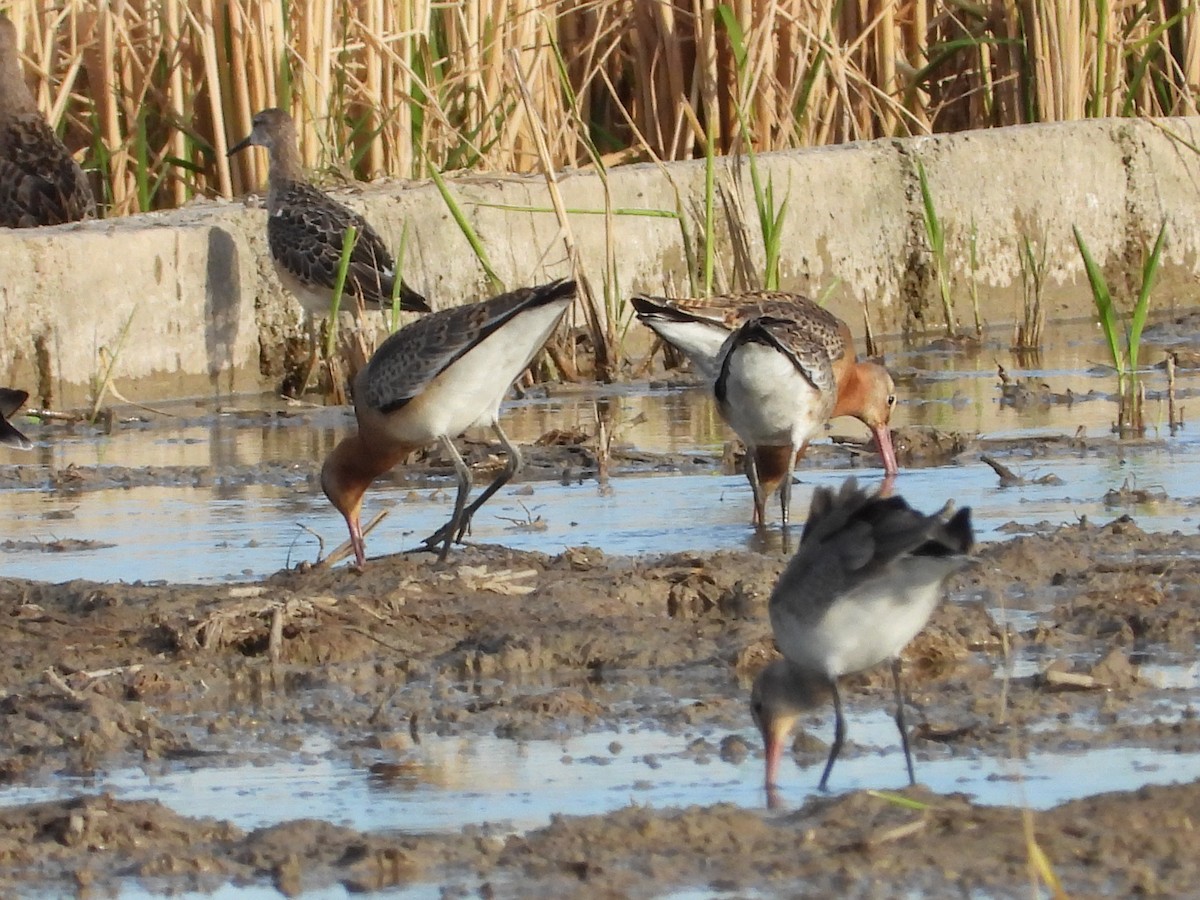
{"x":470,"y":391}
{"x":872,"y":624}
{"x":767,"y":402}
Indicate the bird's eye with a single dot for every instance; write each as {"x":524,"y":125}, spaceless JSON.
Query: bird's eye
{"x":891,"y":400}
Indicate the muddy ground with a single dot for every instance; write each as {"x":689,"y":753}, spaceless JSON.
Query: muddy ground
{"x":96,"y":677}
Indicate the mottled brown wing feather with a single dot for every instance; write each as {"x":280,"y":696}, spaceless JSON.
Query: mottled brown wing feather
{"x":735,"y":309}
{"x":810,"y":357}
{"x":40,"y":183}
{"x":306,"y":233}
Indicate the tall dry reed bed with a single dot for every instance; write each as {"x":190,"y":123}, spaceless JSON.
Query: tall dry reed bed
{"x":152,"y":91}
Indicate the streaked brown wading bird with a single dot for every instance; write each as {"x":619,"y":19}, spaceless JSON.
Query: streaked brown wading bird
{"x":40,"y":182}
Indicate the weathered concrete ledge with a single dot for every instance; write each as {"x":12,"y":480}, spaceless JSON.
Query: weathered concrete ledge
{"x":202,"y":312}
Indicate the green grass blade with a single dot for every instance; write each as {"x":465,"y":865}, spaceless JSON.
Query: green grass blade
{"x":349,"y":239}
{"x":398,"y":279}
{"x":934,"y":229}
{"x":467,"y":229}
{"x":1142,"y":308}
{"x":1104,"y":302}
{"x":899,"y":800}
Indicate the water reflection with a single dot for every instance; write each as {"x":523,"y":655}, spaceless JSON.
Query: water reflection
{"x":233,"y":529}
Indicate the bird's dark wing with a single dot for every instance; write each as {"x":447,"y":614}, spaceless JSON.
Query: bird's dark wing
{"x":412,"y":357}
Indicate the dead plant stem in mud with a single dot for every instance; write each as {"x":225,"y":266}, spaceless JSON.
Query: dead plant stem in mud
{"x":345,"y":549}
{"x":102,"y":381}
{"x":600,"y":325}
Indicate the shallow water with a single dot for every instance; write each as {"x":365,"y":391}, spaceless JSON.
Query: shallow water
{"x":188,"y":534}
{"x":505,"y":785}
{"x":234,"y":529}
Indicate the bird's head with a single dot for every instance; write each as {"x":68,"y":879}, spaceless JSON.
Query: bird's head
{"x":869,"y":395}
{"x":781,"y":693}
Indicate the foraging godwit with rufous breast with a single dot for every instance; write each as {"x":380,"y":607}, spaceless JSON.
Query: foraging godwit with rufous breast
{"x":306,"y":230}
{"x":867,"y":576}
{"x":10,"y":401}
{"x":40,"y":182}
{"x":702,"y":330}
{"x":429,"y":382}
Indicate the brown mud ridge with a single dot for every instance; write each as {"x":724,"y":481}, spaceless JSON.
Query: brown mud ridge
{"x":96,"y":677}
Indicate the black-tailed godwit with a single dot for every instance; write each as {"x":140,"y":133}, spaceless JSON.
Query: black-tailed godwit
{"x":866,"y":577}
{"x":429,"y":382}
{"x":702,"y":328}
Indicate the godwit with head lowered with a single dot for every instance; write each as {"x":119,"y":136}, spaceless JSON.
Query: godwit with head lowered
{"x":762,"y":370}
{"x":306,"y":230}
{"x":40,"y":182}
{"x":866,"y":577}
{"x":10,"y":401}
{"x":432,"y":380}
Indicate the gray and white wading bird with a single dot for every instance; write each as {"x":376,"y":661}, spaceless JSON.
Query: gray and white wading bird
{"x":306,"y":229}
{"x":10,"y":401}
{"x":429,"y":382}
{"x":776,"y":381}
{"x":40,"y":182}
{"x":866,"y":577}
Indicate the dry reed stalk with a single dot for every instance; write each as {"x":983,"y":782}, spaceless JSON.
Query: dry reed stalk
{"x":393,"y":85}
{"x":599,"y":325}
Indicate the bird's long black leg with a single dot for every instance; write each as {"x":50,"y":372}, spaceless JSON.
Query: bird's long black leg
{"x":785,"y":491}
{"x":511,"y":468}
{"x":900,"y":719}
{"x":839,"y":735}
{"x":760,"y":501}
{"x":445,"y":534}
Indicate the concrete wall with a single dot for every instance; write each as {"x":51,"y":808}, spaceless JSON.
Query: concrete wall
{"x":202,"y":312}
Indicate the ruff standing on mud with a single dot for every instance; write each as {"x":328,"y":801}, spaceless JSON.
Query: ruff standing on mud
{"x":866,"y":578}
{"x":10,"y":401}
{"x":432,"y":380}
{"x":40,"y":182}
{"x":306,"y":229}
{"x":768,"y":360}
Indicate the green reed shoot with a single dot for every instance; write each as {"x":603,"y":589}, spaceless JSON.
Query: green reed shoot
{"x":468,"y":230}
{"x":349,"y":239}
{"x":770,"y":216}
{"x":394,"y":322}
{"x":1124,"y":358}
{"x":935,"y":233}
{"x":1142,"y":307}
{"x":1033,"y":260}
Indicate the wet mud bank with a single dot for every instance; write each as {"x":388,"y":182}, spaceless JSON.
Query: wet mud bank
{"x":1045,"y":645}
